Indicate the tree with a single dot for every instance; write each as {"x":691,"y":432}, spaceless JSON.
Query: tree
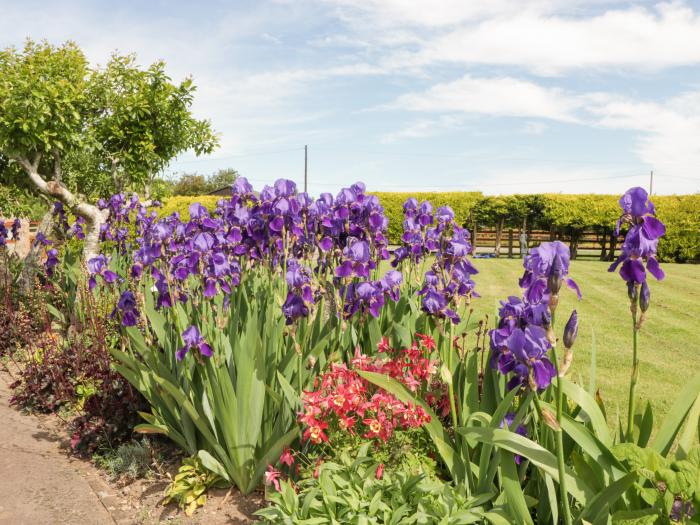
{"x":222,"y":179}
{"x":78,"y":132}
{"x":493,"y":210}
{"x":196,"y":184}
{"x":191,"y":184}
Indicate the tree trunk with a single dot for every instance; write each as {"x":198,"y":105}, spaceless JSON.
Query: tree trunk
{"x":604,"y":251}
{"x":613,"y":243}
{"x":499,"y":233}
{"x":510,"y":243}
{"x":94,"y":217}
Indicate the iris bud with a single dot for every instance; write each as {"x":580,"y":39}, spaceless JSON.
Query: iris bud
{"x":632,"y":291}
{"x":554,"y":281}
{"x":571,"y":330}
{"x":644,"y":297}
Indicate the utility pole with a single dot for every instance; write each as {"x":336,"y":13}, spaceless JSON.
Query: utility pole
{"x":651,"y":182}
{"x":306,"y":169}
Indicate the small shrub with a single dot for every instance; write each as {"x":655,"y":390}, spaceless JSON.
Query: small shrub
{"x":128,"y":462}
{"x":188,"y":488}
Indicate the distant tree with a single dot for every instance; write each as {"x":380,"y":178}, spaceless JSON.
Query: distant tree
{"x":196,"y":184}
{"x":78,"y":133}
{"x":191,"y":184}
{"x":493,"y":211}
{"x":222,"y":179}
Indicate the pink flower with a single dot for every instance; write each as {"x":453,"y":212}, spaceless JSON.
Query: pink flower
{"x":380,"y":471}
{"x":287,"y":458}
{"x":272,"y":476}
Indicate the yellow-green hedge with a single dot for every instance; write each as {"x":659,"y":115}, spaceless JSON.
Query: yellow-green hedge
{"x":460,"y":202}
{"x":181,"y":204}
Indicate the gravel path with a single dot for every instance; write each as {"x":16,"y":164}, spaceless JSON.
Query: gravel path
{"x":38,"y":482}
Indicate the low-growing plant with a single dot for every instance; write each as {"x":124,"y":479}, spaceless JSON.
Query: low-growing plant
{"x":190,"y":485}
{"x":128,"y":462}
{"x":360,"y":490}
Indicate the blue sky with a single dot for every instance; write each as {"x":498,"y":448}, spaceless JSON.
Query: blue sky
{"x":500,"y":96}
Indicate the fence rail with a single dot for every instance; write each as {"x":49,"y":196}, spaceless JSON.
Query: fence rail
{"x":587,"y":244}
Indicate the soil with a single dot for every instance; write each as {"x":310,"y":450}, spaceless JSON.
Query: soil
{"x":41,"y":483}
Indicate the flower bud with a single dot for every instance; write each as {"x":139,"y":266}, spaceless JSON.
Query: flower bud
{"x":644,"y":297}
{"x":632,"y":291}
{"x":571,"y":330}
{"x":555,"y":275}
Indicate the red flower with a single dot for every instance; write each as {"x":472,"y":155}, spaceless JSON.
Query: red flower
{"x":287,"y":458}
{"x":383,"y":345}
{"x":380,"y":471}
{"x":272,"y":476}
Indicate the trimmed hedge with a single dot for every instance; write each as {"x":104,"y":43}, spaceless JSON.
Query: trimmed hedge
{"x":570,"y":214}
{"x":181,"y":204}
{"x":461,"y":203}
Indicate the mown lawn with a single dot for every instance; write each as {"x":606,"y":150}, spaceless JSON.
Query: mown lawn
{"x":669,"y":342}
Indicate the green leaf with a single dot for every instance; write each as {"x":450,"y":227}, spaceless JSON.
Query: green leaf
{"x":212,"y":464}
{"x":676,"y":416}
{"x":590,"y":408}
{"x":514,"y":493}
{"x":538,"y":456}
{"x":601,"y":503}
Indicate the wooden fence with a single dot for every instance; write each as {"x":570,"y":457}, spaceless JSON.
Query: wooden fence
{"x":588,"y":244}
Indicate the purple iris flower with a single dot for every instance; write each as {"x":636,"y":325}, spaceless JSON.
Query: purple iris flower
{"x":193,"y":340}
{"x":77,"y":230}
{"x":99,"y":266}
{"x":524,"y":355}
{"x":294,"y":307}
{"x":241,"y":186}
{"x":3,"y":234}
{"x":51,"y":261}
{"x":638,"y":252}
{"x":16,"y":225}
{"x":127,"y":307}
{"x":41,"y":239}
{"x":545,"y":267}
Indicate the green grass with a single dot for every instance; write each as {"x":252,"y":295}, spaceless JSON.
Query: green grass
{"x":669,"y":341}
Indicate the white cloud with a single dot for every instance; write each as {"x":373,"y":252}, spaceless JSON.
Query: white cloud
{"x":424,"y":128}
{"x":544,"y":37}
{"x":668,"y":132}
{"x":535,"y":127}
{"x":497,"y":96}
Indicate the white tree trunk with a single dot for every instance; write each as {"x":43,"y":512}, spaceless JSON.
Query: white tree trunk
{"x":93,"y":216}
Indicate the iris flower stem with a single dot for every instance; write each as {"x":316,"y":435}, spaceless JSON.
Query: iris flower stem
{"x":561,"y":465}
{"x":633,"y":382}
{"x":453,"y":409}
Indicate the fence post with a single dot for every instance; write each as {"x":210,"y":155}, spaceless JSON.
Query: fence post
{"x":510,"y":243}
{"x":474,"y":236}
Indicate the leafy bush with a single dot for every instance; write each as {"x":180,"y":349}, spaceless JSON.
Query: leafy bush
{"x":181,"y":204}
{"x":359,"y":490}
{"x":190,"y":485}
{"x":681,"y":214}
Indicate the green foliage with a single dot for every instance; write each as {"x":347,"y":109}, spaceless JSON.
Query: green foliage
{"x":192,"y":184}
{"x":97,"y":129}
{"x":181,"y":204}
{"x":461,"y":203}
{"x":130,"y":461}
{"x":349,"y":492}
{"x":190,"y":485}
{"x":681,"y":214}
